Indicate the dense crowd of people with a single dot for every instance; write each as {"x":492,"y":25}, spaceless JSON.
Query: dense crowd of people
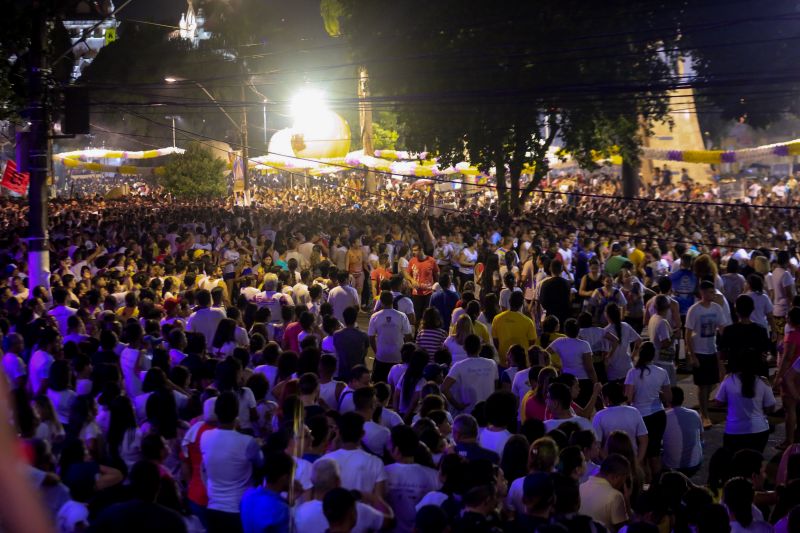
{"x":334,"y":360}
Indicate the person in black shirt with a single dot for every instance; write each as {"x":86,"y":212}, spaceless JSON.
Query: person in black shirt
{"x":745,"y":337}
{"x":465,"y":433}
{"x":140,"y":513}
{"x":554,"y":296}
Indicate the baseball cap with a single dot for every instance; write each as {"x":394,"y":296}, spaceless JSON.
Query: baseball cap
{"x":706,"y":284}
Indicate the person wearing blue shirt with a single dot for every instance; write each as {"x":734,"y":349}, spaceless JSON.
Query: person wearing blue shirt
{"x":684,"y":285}
{"x":445,"y":300}
{"x":263,"y":508}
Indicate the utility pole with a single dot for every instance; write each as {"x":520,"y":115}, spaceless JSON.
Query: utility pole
{"x":38,"y":156}
{"x":245,"y":164}
{"x":365,"y":117}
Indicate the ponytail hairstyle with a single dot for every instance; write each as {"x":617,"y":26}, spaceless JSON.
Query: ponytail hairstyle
{"x":647,"y":353}
{"x":748,"y":374}
{"x":615,"y":317}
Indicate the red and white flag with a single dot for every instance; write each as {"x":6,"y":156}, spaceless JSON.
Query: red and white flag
{"x":15,"y":181}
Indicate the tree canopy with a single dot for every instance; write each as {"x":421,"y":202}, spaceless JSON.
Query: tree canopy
{"x":501,"y":81}
{"x":197,"y":173}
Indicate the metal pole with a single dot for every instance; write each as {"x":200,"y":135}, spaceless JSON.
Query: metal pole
{"x":38,"y":156}
{"x":265,"y":123}
{"x":245,"y":164}
{"x":173,"y":132}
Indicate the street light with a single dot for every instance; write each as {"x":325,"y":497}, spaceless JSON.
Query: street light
{"x":173,"y":117}
{"x":265,"y":122}
{"x":306,"y":106}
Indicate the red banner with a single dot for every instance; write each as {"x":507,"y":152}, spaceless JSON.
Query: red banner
{"x":13,"y":180}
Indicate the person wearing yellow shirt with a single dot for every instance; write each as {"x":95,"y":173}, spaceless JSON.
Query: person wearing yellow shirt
{"x":512,"y":327}
{"x":636,"y":256}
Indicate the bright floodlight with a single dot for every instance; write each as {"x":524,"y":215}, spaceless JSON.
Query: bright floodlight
{"x":170,"y":79}
{"x":307,"y":105}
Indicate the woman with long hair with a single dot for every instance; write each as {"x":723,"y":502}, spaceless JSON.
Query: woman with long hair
{"x":514,"y":459}
{"x":704,"y":267}
{"x":603,"y":296}
{"x":621,"y":444}
{"x":123,"y":442}
{"x":229,"y":378}
{"x":591,"y":281}
{"x":163,"y":420}
{"x":455,"y":342}
{"x":647,"y":388}
{"x":224,"y":338}
{"x":491,"y":308}
{"x":490,"y":281}
{"x":534,"y":404}
{"x":431,"y":335}
{"x":576,"y":359}
{"x":747,"y":398}
{"x":407,"y":393}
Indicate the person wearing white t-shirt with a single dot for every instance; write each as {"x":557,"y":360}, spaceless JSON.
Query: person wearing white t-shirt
{"x":376,"y":436}
{"x":559,"y":402}
{"x":783,"y":290}
{"x":704,"y":321}
{"x":359,"y":470}
{"x":132,"y":360}
{"x":646,"y":386}
{"x":683,"y":437}
{"x":576,"y":359}
{"x":499,"y":408}
{"x":659,"y":331}
{"x":229,"y":458}
{"x":619,"y":359}
{"x":343,"y":296}
{"x":388,"y":330}
{"x":374,"y":515}
{"x":406,"y":482}
{"x":472,"y":380}
{"x":747,"y":397}
{"x":60,"y":312}
{"x":619,"y":417}
{"x":206,"y":318}
{"x":13,"y":364}
{"x":762,"y":304}
{"x":49,"y":349}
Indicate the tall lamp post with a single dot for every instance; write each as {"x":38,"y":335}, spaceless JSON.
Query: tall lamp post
{"x":173,"y":129}
{"x":241,"y":128}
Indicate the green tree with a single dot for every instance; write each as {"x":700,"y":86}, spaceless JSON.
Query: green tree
{"x":195,"y":174}
{"x":500,"y":81}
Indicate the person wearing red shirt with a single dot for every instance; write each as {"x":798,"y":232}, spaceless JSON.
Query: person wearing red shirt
{"x":193,"y":459}
{"x":421,"y":274}
{"x":379,"y":274}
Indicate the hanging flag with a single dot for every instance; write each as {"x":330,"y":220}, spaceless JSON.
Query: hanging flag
{"x":15,"y":181}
